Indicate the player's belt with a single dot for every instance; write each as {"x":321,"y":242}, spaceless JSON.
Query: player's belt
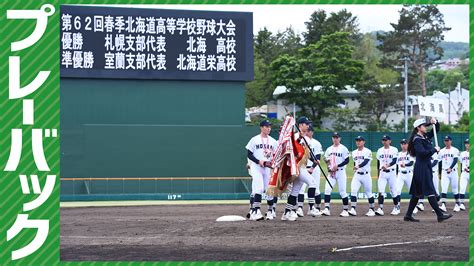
{"x":309,"y":167}
{"x":362,"y":173}
{"x":405,"y":172}
{"x":339,"y":169}
{"x":389,"y":170}
{"x":453,"y":170}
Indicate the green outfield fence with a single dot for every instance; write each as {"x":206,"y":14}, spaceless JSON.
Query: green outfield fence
{"x":183,"y":179}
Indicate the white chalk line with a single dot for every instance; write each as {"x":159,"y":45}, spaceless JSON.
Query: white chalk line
{"x":393,"y":244}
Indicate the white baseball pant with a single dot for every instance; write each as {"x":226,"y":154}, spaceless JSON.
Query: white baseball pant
{"x":341,"y":179}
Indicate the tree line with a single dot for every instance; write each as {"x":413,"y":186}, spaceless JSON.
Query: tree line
{"x":332,"y":55}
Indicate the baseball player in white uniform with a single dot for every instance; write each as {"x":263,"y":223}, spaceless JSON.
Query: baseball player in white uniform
{"x":387,"y":159}
{"x":435,"y":168}
{"x":405,"y":164}
{"x":449,"y":157}
{"x":304,"y":177}
{"x":260,"y":152}
{"x":464,"y":174}
{"x":314,"y":170}
{"x":362,"y":158}
{"x":336,"y":157}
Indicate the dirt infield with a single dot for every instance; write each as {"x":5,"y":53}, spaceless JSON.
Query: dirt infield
{"x":189,"y":232}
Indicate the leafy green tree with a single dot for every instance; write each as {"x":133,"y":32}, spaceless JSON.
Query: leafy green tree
{"x":320,"y":24}
{"x":378,"y":91}
{"x":416,"y":36}
{"x":344,"y":119}
{"x":267,"y":47}
{"x":327,"y":65}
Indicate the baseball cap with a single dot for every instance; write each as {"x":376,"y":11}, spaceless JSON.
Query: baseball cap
{"x":336,"y":135}
{"x":386,"y":137}
{"x":466,"y":141}
{"x":403,"y":141}
{"x":304,"y":120}
{"x":360,"y":138}
{"x":447,"y":137}
{"x":419,"y":122}
{"x":265,"y":123}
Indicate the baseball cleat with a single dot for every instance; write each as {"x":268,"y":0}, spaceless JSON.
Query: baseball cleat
{"x":395,"y":211}
{"x":249,"y":214}
{"x":256,"y":215}
{"x":344,"y":213}
{"x":274,"y":214}
{"x":415,"y":210}
{"x":370,"y":213}
{"x":456,"y":208}
{"x":379,"y":212}
{"x":313,"y":212}
{"x":443,"y":207}
{"x":462,"y":207}
{"x":288,"y":216}
{"x":352,"y":212}
{"x":300,"y":212}
{"x":420,"y":206}
{"x":326,"y":212}
{"x":269,"y":216}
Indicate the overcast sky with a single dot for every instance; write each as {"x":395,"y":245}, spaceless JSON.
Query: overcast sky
{"x":371,"y":17}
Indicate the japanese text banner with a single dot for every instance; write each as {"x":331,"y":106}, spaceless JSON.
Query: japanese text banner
{"x":30,"y":133}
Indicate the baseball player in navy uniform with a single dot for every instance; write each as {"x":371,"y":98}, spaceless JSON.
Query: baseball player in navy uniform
{"x":405,"y":164}
{"x":449,"y":157}
{"x":464,"y":174}
{"x":314,"y":170}
{"x":260,"y":152}
{"x":336,"y":157}
{"x":387,"y":159}
{"x":362,"y":158}
{"x":303,"y":124}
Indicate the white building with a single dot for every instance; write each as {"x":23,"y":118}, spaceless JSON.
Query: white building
{"x":456,"y":102}
{"x":459,"y":99}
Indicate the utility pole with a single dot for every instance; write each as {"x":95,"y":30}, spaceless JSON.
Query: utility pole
{"x":406,"y":94}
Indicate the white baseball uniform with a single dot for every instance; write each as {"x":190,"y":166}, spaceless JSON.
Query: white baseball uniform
{"x":262,"y":149}
{"x":446,"y":156}
{"x":335,"y":156}
{"x":435,"y":172}
{"x":316,"y":148}
{"x":464,"y":172}
{"x":405,"y":173}
{"x":385,"y":157}
{"x":362,"y":175}
{"x":305,"y":177}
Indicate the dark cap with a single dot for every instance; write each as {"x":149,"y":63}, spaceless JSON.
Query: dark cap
{"x":265,"y":123}
{"x":386,"y":137}
{"x":447,"y":137}
{"x":304,"y":120}
{"x":466,"y":141}
{"x":359,"y":138}
{"x":403,"y":141}
{"x":336,"y":135}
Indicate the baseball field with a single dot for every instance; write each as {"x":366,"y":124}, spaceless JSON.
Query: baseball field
{"x":187,"y":231}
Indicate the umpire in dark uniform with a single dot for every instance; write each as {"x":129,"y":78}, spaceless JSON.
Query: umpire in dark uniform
{"x":419,"y":146}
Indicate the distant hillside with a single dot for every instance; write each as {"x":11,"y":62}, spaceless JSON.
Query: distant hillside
{"x":451,"y":49}
{"x":455,"y":49}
